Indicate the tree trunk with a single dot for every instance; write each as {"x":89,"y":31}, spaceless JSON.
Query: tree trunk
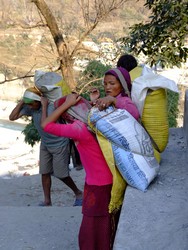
{"x":66,"y":62}
{"x":93,"y":14}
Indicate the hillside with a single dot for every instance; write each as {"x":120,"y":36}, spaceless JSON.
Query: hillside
{"x":26,"y":49}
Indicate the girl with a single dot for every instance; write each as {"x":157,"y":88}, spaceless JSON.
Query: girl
{"x":96,"y":230}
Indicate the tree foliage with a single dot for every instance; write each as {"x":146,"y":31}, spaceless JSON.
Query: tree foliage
{"x":172,"y":106}
{"x":163,"y":38}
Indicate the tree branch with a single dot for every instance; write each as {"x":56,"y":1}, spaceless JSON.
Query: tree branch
{"x":16,"y":78}
{"x":87,"y":84}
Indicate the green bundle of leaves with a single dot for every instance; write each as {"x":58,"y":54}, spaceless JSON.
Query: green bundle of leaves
{"x":31,"y":134}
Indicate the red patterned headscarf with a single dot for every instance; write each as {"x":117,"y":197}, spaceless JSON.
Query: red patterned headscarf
{"x":79,"y":111}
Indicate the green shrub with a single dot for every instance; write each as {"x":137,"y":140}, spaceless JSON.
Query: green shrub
{"x":93,"y":71}
{"x":172,"y":106}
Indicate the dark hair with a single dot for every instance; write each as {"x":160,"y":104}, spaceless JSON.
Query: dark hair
{"x":127,"y":62}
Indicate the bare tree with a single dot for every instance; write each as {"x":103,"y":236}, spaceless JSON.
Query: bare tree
{"x":93,"y":12}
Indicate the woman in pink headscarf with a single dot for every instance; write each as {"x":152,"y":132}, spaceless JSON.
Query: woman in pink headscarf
{"x":117,"y":86}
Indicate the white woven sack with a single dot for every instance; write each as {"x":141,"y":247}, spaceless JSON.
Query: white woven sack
{"x":132,"y":147}
{"x":149,"y":80}
{"x":46,"y":83}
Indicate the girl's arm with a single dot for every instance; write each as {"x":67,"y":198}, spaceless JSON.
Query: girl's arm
{"x":71,"y":100}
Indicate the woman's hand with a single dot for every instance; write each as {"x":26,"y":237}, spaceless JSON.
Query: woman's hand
{"x":103,"y":103}
{"x":94,"y":94}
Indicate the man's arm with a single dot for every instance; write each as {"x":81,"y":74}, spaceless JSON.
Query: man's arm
{"x":71,"y":100}
{"x":15,"y":114}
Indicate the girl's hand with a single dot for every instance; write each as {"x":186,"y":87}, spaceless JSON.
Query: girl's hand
{"x":72,"y":99}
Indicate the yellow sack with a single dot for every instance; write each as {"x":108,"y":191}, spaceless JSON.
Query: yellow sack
{"x":154,"y":116}
{"x":119,"y":184}
{"x":64,"y":88}
{"x":157,"y":155}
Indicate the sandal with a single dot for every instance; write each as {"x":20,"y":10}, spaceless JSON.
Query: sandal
{"x":80,"y":167}
{"x":43,"y":204}
{"x":78,"y":202}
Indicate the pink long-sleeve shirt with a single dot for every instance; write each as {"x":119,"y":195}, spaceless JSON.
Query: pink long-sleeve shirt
{"x":96,"y":168}
{"x":124,"y":102}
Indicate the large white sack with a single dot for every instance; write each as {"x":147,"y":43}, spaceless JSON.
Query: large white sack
{"x":149,"y":80}
{"x":47,"y":82}
{"x":132,"y":147}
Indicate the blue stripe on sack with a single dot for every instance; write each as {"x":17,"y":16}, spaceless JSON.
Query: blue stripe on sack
{"x":123,"y":157}
{"x":112,"y":134}
{"x":129,"y":169}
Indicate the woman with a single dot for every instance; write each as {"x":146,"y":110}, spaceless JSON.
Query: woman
{"x":96,"y":230}
{"x":117,"y":86}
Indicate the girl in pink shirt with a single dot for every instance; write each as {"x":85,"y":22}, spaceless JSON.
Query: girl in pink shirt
{"x":96,"y":230}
